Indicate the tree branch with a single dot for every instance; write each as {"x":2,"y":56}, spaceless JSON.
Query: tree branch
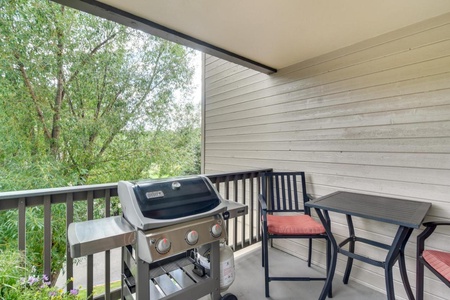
{"x":59,"y":95}
{"x":91,"y":53}
{"x":30,"y":89}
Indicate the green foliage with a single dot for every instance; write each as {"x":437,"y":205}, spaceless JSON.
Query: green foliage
{"x":12,"y":268}
{"x":84,"y":100}
{"x":35,"y":237}
{"x":18,"y":280}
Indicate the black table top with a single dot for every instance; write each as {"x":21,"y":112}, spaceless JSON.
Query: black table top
{"x":385,"y":209}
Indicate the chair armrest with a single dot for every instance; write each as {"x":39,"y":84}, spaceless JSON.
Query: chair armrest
{"x":306,"y":208}
{"x":435,"y":223}
{"x":263,"y":203}
{"x":429,"y":229}
{"x":310,"y":197}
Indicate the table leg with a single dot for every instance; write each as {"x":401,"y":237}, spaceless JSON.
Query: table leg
{"x":395,"y":253}
{"x":333,"y":254}
{"x":351,"y":231}
{"x":402,"y":266}
{"x":388,"y":277}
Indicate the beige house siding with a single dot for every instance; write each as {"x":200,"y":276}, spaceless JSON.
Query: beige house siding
{"x":373,"y":118}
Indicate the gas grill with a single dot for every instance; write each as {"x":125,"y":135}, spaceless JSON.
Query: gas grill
{"x":163,"y":224}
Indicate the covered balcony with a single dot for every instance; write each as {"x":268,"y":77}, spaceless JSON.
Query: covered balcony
{"x":100,"y":274}
{"x":357,"y":96}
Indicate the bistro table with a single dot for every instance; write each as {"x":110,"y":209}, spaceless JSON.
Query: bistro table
{"x":406,"y":214}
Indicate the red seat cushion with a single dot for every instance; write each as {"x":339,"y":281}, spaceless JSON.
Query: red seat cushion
{"x":293,"y":225}
{"x":440,"y":261}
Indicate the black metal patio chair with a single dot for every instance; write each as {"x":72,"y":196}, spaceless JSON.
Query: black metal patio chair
{"x":438,"y":262}
{"x":284,"y":216}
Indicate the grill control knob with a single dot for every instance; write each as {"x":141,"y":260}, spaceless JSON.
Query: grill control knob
{"x":216,"y":230}
{"x":192,"y":237}
{"x":163,"y":245}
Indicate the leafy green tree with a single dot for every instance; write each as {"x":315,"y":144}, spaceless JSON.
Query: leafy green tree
{"x":76,"y":86}
{"x":84,"y":100}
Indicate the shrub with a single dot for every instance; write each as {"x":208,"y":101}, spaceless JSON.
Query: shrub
{"x":18,"y":281}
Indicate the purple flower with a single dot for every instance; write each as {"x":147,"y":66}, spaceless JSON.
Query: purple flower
{"x":52,"y":294}
{"x":44,"y":277}
{"x":74,"y":292}
{"x":32,"y":280}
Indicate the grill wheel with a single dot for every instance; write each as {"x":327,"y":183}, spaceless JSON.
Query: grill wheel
{"x":229,"y":297}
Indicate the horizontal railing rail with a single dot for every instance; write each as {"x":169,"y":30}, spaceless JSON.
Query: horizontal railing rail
{"x":242,"y":187}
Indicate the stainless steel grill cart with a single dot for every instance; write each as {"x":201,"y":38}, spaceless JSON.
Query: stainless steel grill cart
{"x":163,"y":223}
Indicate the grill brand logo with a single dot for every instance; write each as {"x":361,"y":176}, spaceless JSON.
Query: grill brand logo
{"x":154,"y":194}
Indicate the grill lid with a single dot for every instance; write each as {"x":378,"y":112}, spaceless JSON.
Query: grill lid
{"x":175,"y":199}
{"x":157,"y":203}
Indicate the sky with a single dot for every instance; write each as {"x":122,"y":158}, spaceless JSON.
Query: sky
{"x":197,"y":94}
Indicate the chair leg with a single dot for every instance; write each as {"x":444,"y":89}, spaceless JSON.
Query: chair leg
{"x":309,"y":253}
{"x":263,"y":242}
{"x":266,"y":267}
{"x":419,"y":279}
{"x":328,"y":253}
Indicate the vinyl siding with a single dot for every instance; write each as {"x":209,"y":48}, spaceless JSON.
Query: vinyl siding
{"x":372,"y":117}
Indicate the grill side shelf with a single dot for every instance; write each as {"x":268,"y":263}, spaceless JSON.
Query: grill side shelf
{"x":234,"y":209}
{"x":99,"y":235}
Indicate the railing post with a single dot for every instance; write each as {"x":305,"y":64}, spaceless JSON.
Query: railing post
{"x":69,"y":260}
{"x":90,"y":258}
{"x":251,"y":207}
{"x":22,"y":224}
{"x":243,"y":197}
{"x":48,"y":236}
{"x":108,"y":252}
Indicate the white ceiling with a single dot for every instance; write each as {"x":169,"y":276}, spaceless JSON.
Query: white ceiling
{"x":279,"y":33}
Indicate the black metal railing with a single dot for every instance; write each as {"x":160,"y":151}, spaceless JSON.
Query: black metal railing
{"x":242,"y":187}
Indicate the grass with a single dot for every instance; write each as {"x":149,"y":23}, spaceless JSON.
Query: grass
{"x":99,"y":289}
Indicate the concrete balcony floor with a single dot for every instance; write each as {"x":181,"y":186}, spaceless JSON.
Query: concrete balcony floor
{"x":249,"y":281}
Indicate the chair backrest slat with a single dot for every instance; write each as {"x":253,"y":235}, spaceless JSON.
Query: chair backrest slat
{"x":283,"y":199}
{"x":291,"y":196}
{"x":294,"y":179}
{"x":278,"y":194}
{"x":305,"y":195}
{"x":285,"y":191}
